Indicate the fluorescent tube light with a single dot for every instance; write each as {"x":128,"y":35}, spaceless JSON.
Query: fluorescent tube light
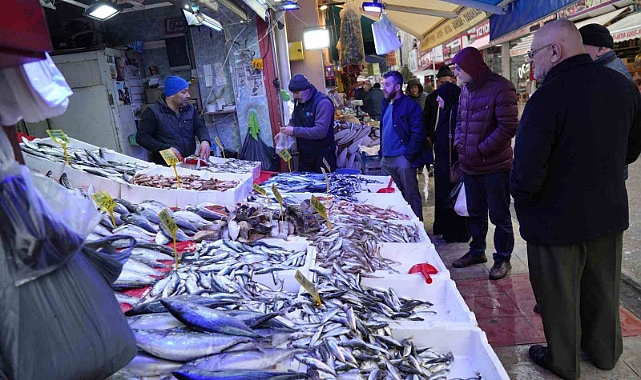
{"x":373,"y":6}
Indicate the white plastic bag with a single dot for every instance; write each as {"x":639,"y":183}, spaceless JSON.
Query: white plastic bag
{"x":460,"y":207}
{"x":385,"y":36}
{"x":284,"y":142}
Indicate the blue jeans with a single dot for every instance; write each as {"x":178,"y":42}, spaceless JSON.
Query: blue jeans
{"x":400,"y":169}
{"x":490,"y":192}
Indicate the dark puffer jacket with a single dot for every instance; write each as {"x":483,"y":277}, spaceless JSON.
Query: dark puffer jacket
{"x":486,"y":123}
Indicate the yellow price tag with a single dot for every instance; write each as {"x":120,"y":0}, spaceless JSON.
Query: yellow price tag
{"x":280,"y":201}
{"x":59,"y":137}
{"x":104,"y":200}
{"x":284,"y":154}
{"x":171,"y":226}
{"x":220,"y":145}
{"x":262,"y":191}
{"x":171,"y":160}
{"x":308,"y":286}
{"x":320,"y":208}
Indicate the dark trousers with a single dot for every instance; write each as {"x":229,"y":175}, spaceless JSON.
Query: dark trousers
{"x":405,"y":178}
{"x":577,"y":290}
{"x":490,"y":192}
{"x":307,"y":163}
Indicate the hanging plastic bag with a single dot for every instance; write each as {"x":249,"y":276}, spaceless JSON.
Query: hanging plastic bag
{"x":284,"y":142}
{"x":385,"y":36}
{"x":450,"y":202}
{"x":39,"y":235}
{"x":457,"y":200}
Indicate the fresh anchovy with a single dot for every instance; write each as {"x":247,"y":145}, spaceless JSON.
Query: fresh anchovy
{"x":237,"y":375}
{"x":364,"y":210}
{"x":184,"y":346}
{"x":240,"y":360}
{"x":205,"y":319}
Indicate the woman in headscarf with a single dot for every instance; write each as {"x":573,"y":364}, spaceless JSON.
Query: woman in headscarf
{"x":453,"y":227}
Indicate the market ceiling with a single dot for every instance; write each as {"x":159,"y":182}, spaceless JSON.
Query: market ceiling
{"x":435,"y":21}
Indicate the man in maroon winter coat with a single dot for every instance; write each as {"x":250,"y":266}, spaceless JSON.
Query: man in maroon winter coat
{"x":486,"y":124}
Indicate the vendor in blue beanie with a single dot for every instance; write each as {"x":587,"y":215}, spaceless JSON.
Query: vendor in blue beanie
{"x":172,"y":123}
{"x":312,"y":124}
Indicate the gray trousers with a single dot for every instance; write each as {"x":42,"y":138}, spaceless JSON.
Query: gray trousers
{"x":577,"y":290}
{"x":405,"y":178}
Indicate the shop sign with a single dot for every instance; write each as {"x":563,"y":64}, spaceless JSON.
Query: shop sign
{"x":451,"y":48}
{"x":483,"y":29}
{"x":437,"y":54}
{"x":582,"y":7}
{"x":627,"y":35}
{"x":451,"y":28}
{"x":412,"y":60}
{"x":425,"y":60}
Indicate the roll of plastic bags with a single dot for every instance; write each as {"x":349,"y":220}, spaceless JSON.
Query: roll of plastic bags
{"x":385,"y":36}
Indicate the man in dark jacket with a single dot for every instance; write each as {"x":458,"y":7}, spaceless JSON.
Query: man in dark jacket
{"x":599,"y":44}
{"x":374,"y":101}
{"x":312,"y":124}
{"x":171,"y":123}
{"x":402,"y":139}
{"x":487,"y":121}
{"x":570,"y":200}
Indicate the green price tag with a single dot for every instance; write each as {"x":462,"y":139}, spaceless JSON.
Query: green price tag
{"x":171,"y":226}
{"x":220,"y":145}
{"x":285,"y":155}
{"x":104,"y":200}
{"x":308,"y":286}
{"x":58,"y":136}
{"x":320,"y":208}
{"x":169,"y":157}
{"x":262,"y":191}
{"x":280,"y":200}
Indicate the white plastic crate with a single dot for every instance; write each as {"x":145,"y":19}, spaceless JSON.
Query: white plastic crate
{"x":473,"y":355}
{"x":448,"y":304}
{"x":82,"y":179}
{"x":182,"y":197}
{"x":407,"y":255}
{"x":255,"y":171}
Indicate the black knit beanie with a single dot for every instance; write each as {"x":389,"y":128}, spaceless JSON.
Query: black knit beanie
{"x":597,"y":35}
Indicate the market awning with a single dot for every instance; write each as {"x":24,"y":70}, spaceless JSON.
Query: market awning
{"x":627,"y":29}
{"x":602,"y":19}
{"x":521,"y":13}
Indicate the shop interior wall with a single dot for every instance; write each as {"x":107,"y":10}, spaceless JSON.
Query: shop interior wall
{"x":312,"y":65}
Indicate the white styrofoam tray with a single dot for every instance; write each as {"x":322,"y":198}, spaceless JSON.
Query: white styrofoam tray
{"x":42,"y":165}
{"x":448,"y":304}
{"x":383,"y":179}
{"x":290,"y":283}
{"x":401,"y":209}
{"x":182,"y":197}
{"x":381,"y":199}
{"x":473,"y":355}
{"x":255,"y":171}
{"x":84,"y":180}
{"x":423,"y":237}
{"x":406,"y":255}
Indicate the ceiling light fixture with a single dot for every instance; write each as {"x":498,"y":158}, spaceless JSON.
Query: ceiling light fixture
{"x":317,"y":38}
{"x":102,"y":10}
{"x":373,"y":6}
{"x":211,"y":23}
{"x":286,"y":6}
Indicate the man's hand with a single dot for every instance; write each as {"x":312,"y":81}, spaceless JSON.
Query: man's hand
{"x":177,"y":153}
{"x":204,"y":150}
{"x":289,"y":131}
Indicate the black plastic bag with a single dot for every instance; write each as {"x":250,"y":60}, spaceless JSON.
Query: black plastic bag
{"x":450,"y":202}
{"x":258,"y":151}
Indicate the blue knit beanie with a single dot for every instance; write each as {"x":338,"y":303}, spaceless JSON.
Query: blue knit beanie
{"x":299,"y":83}
{"x":174,"y":85}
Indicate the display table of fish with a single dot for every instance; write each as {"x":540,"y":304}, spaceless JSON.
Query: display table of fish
{"x":221,"y":165}
{"x":341,"y":185}
{"x":187,"y":182}
{"x":362,"y":209}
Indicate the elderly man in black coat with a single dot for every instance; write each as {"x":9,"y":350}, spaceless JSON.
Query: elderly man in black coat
{"x":578,"y":131}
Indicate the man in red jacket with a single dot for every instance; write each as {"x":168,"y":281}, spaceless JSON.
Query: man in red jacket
{"x":486,"y":124}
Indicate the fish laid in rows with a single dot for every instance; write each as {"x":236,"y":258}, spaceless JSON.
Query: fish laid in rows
{"x":187,"y":182}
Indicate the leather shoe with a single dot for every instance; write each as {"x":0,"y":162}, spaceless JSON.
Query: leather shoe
{"x":537,"y":354}
{"x":500,"y":269}
{"x":469,"y":259}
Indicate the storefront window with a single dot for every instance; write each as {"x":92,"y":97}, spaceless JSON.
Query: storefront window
{"x":493,"y":56}
{"x":520,"y":72}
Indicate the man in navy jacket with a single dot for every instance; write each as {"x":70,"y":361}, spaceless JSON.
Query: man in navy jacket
{"x":402,"y":139}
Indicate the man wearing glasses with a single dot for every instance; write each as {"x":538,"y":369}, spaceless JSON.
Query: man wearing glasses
{"x":486,"y":124}
{"x":577,"y":132}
